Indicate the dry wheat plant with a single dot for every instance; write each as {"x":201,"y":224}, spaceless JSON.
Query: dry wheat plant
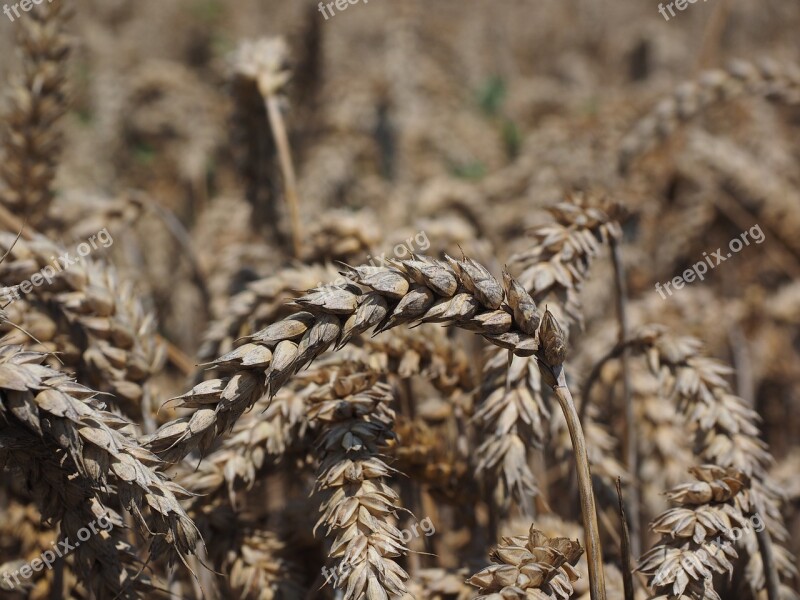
{"x":400,"y":301}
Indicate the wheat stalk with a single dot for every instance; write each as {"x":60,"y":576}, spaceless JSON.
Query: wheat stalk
{"x":263,"y":62}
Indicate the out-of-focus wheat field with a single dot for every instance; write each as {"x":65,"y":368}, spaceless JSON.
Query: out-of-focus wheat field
{"x":400,"y":300}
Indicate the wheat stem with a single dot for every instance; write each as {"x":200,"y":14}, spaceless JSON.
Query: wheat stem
{"x":771,"y":577}
{"x":627,"y":571}
{"x":631,"y":445}
{"x":287,"y":169}
{"x":594,"y":552}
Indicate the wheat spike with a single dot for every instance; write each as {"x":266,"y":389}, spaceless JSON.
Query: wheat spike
{"x":419,"y":290}
{"x":768,"y":79}
{"x":726,"y":430}
{"x":532,"y":567}
{"x":116,"y":349}
{"x":53,"y":406}
{"x":358,"y":506}
{"x":38,"y":100}
{"x":66,"y":493}
{"x":682,"y":565}
{"x":512,"y":414}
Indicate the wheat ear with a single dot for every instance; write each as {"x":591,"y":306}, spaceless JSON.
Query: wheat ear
{"x":105,"y":562}
{"x":553,"y":271}
{"x":532,"y":566}
{"x":53,"y":406}
{"x":356,"y":422}
{"x":86,"y":314}
{"x":768,"y":79}
{"x":458,"y":293}
{"x":682,"y":564}
{"x":38,"y":100}
{"x":725,"y":427}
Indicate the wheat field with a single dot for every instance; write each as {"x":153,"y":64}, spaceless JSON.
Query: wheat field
{"x":400,"y":301}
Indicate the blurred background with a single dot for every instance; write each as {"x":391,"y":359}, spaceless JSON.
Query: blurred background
{"x":460,"y":119}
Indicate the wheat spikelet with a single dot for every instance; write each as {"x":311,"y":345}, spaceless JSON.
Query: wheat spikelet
{"x":682,"y":565}
{"x":767,"y":79}
{"x":532,"y":567}
{"x":38,"y":99}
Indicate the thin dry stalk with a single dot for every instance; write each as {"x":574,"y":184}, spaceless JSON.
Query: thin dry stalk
{"x":627,"y":570}
{"x":631,"y":444}
{"x":588,"y":509}
{"x":287,"y":168}
{"x":264,"y":62}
